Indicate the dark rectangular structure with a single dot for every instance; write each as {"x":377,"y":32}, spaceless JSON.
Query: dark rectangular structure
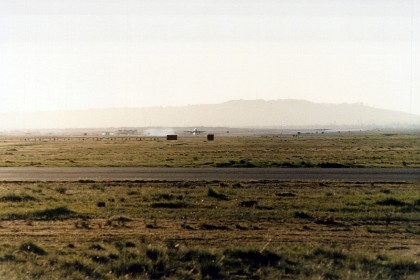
{"x":210,"y":137}
{"x":171,"y":137}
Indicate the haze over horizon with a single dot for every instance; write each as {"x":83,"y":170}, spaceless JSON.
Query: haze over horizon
{"x":199,"y":104}
{"x":236,"y":113}
{"x":82,"y":54}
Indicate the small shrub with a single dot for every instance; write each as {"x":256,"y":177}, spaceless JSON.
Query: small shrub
{"x":329,"y":253}
{"x":118,"y":221}
{"x":254,"y":258}
{"x":99,"y":259}
{"x":333,"y":165}
{"x":249,"y":203}
{"x":86,"y":181}
{"x":172,"y":205}
{"x":403,"y":267}
{"x":17,"y":198}
{"x":237,"y":164}
{"x":285,"y":194}
{"x":53,"y":214}
{"x":61,"y":190}
{"x":96,"y":246}
{"x":237,"y":186}
{"x":154,"y":254}
{"x":7,"y":258}
{"x":133,"y":193}
{"x":101,"y":204}
{"x":213,"y":227}
{"x":153,"y":225}
{"x":130,"y":244}
{"x":326,"y":219}
{"x":171,"y":244}
{"x":386,"y":191}
{"x":168,"y":196}
{"x":82,"y":224}
{"x":215,"y":194}
{"x":186,"y":226}
{"x":303,"y":215}
{"x":83,"y":268}
{"x":390,"y":201}
{"x":241,"y":227}
{"x":32,"y":248}
{"x":199,"y":255}
{"x":210,"y":269}
{"x":130,"y":267}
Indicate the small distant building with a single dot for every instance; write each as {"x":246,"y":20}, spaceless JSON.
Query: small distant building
{"x":107,"y":133}
{"x":210,"y":137}
{"x":127,"y":132}
{"x":171,"y":137}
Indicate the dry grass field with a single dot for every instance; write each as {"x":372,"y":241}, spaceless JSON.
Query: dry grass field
{"x":209,"y":229}
{"x":345,"y":150}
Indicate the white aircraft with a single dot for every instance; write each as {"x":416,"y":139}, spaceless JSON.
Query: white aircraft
{"x":195,"y":131}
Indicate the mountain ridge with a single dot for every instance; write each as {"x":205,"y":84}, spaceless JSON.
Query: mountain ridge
{"x":233,"y":113}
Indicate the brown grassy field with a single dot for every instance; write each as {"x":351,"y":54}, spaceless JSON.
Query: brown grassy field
{"x":209,"y":229}
{"x":345,"y":150}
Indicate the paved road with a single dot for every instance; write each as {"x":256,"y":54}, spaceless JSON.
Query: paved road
{"x":175,"y":174}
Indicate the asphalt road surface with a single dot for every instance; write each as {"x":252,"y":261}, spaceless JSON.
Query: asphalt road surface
{"x":177,"y":174}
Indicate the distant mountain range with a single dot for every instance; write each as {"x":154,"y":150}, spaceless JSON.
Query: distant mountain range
{"x":238,"y":113}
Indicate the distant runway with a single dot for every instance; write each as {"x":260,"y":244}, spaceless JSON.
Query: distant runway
{"x":178,"y":174}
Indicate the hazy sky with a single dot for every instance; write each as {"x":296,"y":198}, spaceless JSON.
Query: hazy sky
{"x":71,"y":54}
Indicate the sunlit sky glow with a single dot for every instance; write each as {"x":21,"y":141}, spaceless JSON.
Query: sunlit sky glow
{"x":76,"y":54}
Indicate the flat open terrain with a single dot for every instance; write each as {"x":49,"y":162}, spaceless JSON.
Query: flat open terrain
{"x":209,"y":229}
{"x":339,"y":150}
{"x":177,"y":174}
{"x":209,"y":218}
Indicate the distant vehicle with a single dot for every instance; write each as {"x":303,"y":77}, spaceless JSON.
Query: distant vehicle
{"x":195,"y":131}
